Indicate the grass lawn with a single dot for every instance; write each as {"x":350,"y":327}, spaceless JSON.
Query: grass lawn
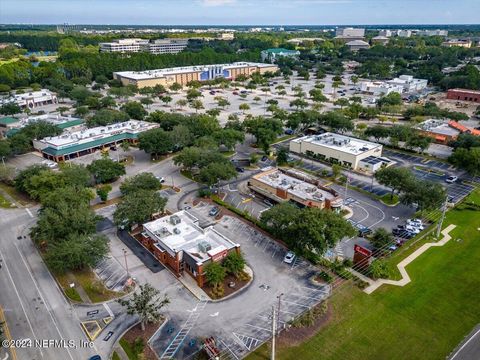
{"x":4,"y":203}
{"x":94,"y":288}
{"x":426,"y":319}
{"x":20,"y":198}
{"x":133,"y":350}
{"x":115,"y":356}
{"x":388,"y":200}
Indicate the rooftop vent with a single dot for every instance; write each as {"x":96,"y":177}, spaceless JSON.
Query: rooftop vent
{"x":176,"y":231}
{"x":175,"y":219}
{"x":204,"y":246}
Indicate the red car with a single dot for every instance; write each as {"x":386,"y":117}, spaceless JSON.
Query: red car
{"x":235,"y":93}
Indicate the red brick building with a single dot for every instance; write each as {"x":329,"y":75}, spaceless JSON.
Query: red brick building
{"x":464,"y":95}
{"x":179,"y":243}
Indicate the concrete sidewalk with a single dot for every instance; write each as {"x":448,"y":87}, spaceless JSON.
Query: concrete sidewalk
{"x":403,"y":264}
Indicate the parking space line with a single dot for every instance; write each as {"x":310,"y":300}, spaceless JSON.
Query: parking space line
{"x":258,"y":327}
{"x":292,"y":302}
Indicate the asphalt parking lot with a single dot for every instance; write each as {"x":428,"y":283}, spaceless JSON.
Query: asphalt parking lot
{"x":243,"y":322}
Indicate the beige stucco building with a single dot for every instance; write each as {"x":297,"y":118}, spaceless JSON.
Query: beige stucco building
{"x":292,"y":185}
{"x":336,"y":148}
{"x":184,"y":75}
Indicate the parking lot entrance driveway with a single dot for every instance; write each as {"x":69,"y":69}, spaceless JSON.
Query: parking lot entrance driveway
{"x":243,"y":322}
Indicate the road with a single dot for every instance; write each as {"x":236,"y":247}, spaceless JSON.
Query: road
{"x":33,"y":304}
{"x":469,"y":349}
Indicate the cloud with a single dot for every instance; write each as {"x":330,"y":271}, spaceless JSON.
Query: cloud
{"x":217,"y":2}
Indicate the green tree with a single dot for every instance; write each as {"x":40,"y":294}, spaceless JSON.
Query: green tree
{"x":166,"y":99}
{"x":197,"y":105}
{"x":396,"y":178}
{"x":336,"y":170}
{"x":244,"y":107}
{"x":379,"y":269}
{"x":299,"y":104}
{"x":146,"y":101}
{"x":426,"y":195}
{"x":104,"y":117}
{"x":155,"y":142}
{"x":381,"y":238}
{"x":468,"y":159}
{"x":103,"y":190}
{"x":214,"y":274}
{"x":176,"y":87}
{"x":106,"y":170}
{"x":138,"y":207}
{"x":214,"y":172}
{"x":142,"y":181}
{"x":234,"y":263}
{"x":135,"y":110}
{"x":5,"y":149}
{"x":76,"y":252}
{"x":146,"y":304}
{"x":282,"y":156}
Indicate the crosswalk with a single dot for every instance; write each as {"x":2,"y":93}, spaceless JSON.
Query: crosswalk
{"x":178,"y":340}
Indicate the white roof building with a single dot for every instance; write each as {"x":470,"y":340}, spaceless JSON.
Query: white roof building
{"x":31,"y":99}
{"x":336,"y":148}
{"x":181,"y":237}
{"x":379,"y":88}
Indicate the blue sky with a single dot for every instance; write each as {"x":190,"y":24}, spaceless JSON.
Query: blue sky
{"x":241,"y":12}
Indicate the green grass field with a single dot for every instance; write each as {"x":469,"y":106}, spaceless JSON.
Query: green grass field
{"x":426,"y":319}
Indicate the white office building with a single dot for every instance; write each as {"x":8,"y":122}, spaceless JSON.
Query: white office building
{"x":409,"y":83}
{"x":341,"y":149}
{"x":31,"y":99}
{"x":350,"y":32}
{"x":404,"y":33}
{"x":379,"y":88}
{"x":159,"y":46}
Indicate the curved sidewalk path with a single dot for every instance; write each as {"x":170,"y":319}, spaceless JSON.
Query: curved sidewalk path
{"x":403,"y":264}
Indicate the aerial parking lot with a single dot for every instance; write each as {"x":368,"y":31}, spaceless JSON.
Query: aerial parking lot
{"x":243,"y":322}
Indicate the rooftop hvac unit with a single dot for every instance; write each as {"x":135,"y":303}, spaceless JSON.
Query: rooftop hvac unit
{"x":175,"y":219}
{"x":176,"y":231}
{"x":204,"y":246}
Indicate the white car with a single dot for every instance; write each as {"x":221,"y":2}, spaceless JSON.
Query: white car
{"x":412,"y":229}
{"x":451,"y":179}
{"x":415,"y":222}
{"x":289,"y":257}
{"x":160,"y":178}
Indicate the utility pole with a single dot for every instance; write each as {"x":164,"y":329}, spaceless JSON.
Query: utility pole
{"x":279,"y":297}
{"x":346,"y":189}
{"x":274,"y":329}
{"x":126,"y":264}
{"x":444,"y":210}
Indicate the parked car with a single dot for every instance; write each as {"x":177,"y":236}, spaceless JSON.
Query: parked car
{"x":289,"y":257}
{"x":161,"y":179}
{"x":451,"y":179}
{"x":268,"y":202}
{"x":235,"y":93}
{"x":240,"y":169}
{"x":289,"y":132}
{"x":264,"y":158}
{"x":412,"y":229}
{"x":243,"y":92}
{"x":414,"y":221}
{"x":95,"y":357}
{"x":212,"y":92}
{"x":214,"y":211}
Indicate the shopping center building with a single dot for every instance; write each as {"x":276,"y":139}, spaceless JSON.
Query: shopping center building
{"x":344,"y":150}
{"x":281,"y":185}
{"x":70,"y":145}
{"x":186,"y":74}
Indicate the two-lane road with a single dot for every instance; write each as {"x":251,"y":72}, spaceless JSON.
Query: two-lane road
{"x":33,"y":305}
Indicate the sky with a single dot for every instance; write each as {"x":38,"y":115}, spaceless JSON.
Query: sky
{"x":240,"y":12}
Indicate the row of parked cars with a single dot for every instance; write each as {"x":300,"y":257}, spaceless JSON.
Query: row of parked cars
{"x":411,"y":228}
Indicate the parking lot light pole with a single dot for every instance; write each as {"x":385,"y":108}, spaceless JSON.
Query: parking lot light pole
{"x":279,"y":297}
{"x":444,"y":210}
{"x":126,"y":264}
{"x":274,"y":329}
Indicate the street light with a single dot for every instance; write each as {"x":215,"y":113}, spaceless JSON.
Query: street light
{"x":126,"y":264}
{"x":279,"y":297}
